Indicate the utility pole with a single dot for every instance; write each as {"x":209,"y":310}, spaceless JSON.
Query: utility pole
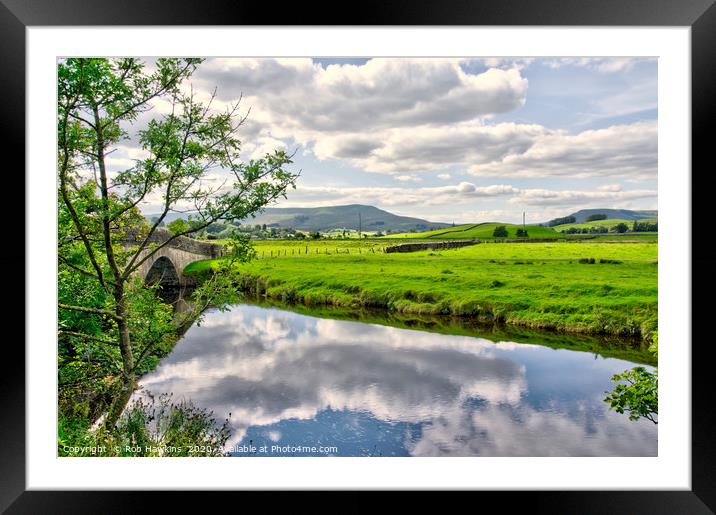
{"x":523,"y":220}
{"x":360,"y":226}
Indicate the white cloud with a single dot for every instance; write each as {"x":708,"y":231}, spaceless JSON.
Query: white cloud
{"x":600,"y":64}
{"x":444,"y":176}
{"x":315,"y":196}
{"x":297,"y":95}
{"x":407,"y":178}
{"x":620,"y":150}
{"x":387,"y":115}
{"x":428,"y":148}
{"x":543,"y":197}
{"x":610,"y":187}
{"x":462,"y":193}
{"x":506,"y":62}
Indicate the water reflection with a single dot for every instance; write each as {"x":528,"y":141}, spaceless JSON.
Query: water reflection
{"x":362,"y":390}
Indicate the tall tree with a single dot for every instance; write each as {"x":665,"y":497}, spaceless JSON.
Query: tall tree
{"x":98,"y":101}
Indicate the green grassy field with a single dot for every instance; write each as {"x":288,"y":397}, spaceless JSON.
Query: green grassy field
{"x":533,"y":285}
{"x":481,"y":231}
{"x":601,"y":223}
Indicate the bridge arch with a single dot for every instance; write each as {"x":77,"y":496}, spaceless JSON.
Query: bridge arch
{"x":163,"y":272}
{"x":167,"y":263}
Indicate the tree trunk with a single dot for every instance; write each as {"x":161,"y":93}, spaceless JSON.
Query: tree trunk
{"x":125,"y":348}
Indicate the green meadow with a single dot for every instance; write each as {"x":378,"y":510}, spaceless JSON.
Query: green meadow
{"x":481,"y":231}
{"x":601,"y":223}
{"x":576,"y":286}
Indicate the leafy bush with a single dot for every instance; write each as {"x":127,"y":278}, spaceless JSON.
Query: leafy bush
{"x":147,"y":428}
{"x":561,"y":221}
{"x":638,"y":394}
{"x":595,"y":217}
{"x":620,"y":228}
{"x":500,"y":232}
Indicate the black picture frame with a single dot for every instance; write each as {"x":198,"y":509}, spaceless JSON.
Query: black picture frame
{"x":700,"y":15}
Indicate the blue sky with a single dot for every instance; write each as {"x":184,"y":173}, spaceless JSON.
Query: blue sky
{"x":469,"y":140}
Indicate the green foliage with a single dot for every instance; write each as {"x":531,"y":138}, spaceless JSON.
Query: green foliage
{"x":621,"y":227}
{"x":178,"y":226}
{"x":480,"y":231}
{"x":112,"y":327}
{"x":522,"y":233}
{"x":561,"y":221}
{"x":595,"y":217}
{"x":654,"y":346}
{"x":638,"y":391}
{"x":500,"y":232}
{"x":602,"y":226}
{"x":645,"y":226}
{"x":147,"y":428}
{"x":637,"y":395}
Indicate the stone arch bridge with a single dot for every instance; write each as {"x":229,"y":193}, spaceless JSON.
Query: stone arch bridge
{"x":166,"y":266}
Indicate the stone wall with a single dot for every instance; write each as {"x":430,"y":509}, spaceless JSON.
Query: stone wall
{"x":179,"y":252}
{"x":203,"y":248}
{"x":438,"y":245}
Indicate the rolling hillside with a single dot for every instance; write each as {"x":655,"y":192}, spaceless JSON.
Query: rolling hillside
{"x":335,"y":217}
{"x":481,"y":231}
{"x":613,"y":214}
{"x":600,"y":223}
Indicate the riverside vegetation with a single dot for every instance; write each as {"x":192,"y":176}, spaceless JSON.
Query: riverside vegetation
{"x":111,"y":327}
{"x":576,"y":287}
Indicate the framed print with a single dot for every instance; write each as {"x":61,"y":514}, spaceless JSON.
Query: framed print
{"x":429,"y":248}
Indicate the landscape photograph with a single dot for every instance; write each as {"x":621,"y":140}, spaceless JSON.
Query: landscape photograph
{"x":358,"y":257}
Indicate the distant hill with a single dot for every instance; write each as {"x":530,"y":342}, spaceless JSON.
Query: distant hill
{"x":614,"y":214}
{"x":334,"y":217}
{"x":347,"y":217}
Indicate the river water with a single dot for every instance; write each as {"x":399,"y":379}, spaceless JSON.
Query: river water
{"x":298,"y":385}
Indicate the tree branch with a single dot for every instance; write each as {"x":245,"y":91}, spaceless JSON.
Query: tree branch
{"x":88,"y":337}
{"x":94,"y":311}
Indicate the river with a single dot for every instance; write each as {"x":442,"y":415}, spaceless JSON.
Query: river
{"x":298,"y":385}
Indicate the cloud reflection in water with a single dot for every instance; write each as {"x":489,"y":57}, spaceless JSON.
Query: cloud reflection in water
{"x":293,"y":379}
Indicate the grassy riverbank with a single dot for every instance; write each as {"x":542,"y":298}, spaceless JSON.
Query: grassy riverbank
{"x":578,"y":287}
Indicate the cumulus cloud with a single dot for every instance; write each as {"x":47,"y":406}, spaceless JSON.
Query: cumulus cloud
{"x":505,"y":62}
{"x":600,"y":64}
{"x":407,"y":178}
{"x":386,"y":115}
{"x":461,"y":193}
{"x":315,"y":196}
{"x":428,"y":148}
{"x":408,"y":117}
{"x":620,"y":150}
{"x":610,"y":187}
{"x":299,"y":95}
{"x":544,"y":197}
